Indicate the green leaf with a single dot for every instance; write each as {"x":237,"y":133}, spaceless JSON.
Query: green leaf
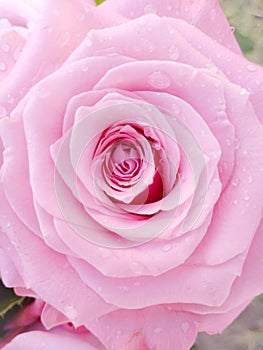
{"x":246,"y":44}
{"x":8,"y":300}
{"x":98,"y":2}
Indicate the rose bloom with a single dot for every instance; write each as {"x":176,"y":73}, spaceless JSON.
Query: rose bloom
{"x":131,"y":179}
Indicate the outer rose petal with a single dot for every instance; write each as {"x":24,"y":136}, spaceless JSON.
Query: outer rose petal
{"x":28,"y":255}
{"x":237,"y":69}
{"x":60,"y":30}
{"x":151,"y":328}
{"x":53,"y":340}
{"x":206,"y":15}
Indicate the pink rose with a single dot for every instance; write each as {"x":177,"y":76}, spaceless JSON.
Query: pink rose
{"x":131,"y":184}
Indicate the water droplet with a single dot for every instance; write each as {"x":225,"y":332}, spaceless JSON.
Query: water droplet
{"x":88,"y":42}
{"x":237,"y":144}
{"x":5,"y":47}
{"x":42,"y":92}
{"x":71,"y":312}
{"x":167,"y":247}
{"x":3,"y":112}
{"x":244,"y":152}
{"x":232,"y":29}
{"x":141,"y":21}
{"x":124,"y":289}
{"x":185,"y":326}
{"x":251,"y":68}
{"x":243,"y":92}
{"x":235,"y":182}
{"x":30,"y":25}
{"x":85,"y":67}
{"x":149,"y":9}
{"x":157,"y":330}
{"x":169,"y":8}
{"x":159,"y":80}
{"x":213,"y":14}
{"x":176,"y":109}
{"x":136,"y":284}
{"x":186,"y":9}
{"x":250,"y":179}
{"x":10,"y":99}
{"x":118,"y":332}
{"x":64,"y":39}
{"x":247,"y":197}
{"x":17,"y":53}
{"x":137,"y":267}
{"x":174,"y":52}
{"x":235,"y":201}
{"x":3,"y":67}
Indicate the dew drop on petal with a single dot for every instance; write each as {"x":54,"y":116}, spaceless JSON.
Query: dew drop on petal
{"x":174,"y":52}
{"x":3,"y":112}
{"x":243,"y":92}
{"x":235,"y":182}
{"x":88,"y":42}
{"x":246,"y":198}
{"x":10,"y":99}
{"x":42,"y":92}
{"x":137,"y":267}
{"x":71,"y":312}
{"x":250,"y":179}
{"x":64,"y":39}
{"x":185,"y":326}
{"x":149,"y":9}
{"x":251,"y":68}
{"x":213,"y":14}
{"x":159,"y":80}
{"x":235,"y":201}
{"x":176,"y":109}
{"x":17,"y":53}
{"x":167,"y":247}
{"x":124,"y":289}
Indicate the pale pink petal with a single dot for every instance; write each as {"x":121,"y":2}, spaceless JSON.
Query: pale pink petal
{"x":52,"y":340}
{"x":203,"y":14}
{"x":240,"y":205}
{"x":37,"y":130}
{"x":29,"y":254}
{"x":151,"y":37}
{"x":184,"y":284}
{"x":60,"y":29}
{"x":14,"y":173}
{"x":237,"y":69}
{"x":151,"y":328}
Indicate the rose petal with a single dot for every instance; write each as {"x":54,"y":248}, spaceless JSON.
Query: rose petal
{"x":151,"y":328}
{"x":206,"y":15}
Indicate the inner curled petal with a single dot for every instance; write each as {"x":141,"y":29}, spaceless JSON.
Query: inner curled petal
{"x":125,"y":162}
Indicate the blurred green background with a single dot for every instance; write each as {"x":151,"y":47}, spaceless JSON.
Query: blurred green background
{"x":246,"y":16}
